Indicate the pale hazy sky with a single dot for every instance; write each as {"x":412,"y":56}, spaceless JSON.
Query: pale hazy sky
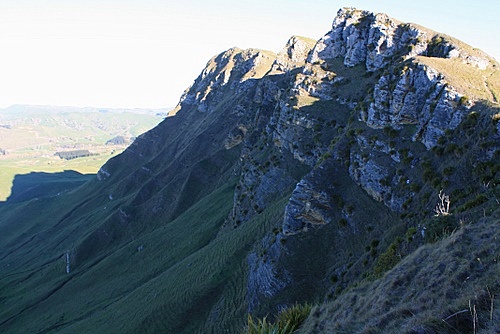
{"x":144,"y":53}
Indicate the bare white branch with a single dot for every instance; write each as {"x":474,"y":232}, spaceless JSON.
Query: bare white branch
{"x":443,"y":206}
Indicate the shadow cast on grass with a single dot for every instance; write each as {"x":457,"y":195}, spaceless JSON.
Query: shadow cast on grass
{"x":40,"y":184}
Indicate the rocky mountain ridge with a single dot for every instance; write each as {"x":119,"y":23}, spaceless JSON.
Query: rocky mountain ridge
{"x":409,"y":100}
{"x":335,"y":153}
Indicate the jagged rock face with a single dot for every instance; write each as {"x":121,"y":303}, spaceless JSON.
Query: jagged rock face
{"x":413,"y":94}
{"x":232,"y":67}
{"x":309,"y":205}
{"x":293,"y":55}
{"x":420,"y":95}
{"x":319,"y":230}
{"x":368,"y":175}
{"x":407,"y":96}
{"x":265,"y":280}
{"x":361,"y":37}
{"x":417,"y":95}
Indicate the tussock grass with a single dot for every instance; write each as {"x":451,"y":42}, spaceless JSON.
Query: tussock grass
{"x":287,"y":321}
{"x":263,"y":326}
{"x":427,"y":291}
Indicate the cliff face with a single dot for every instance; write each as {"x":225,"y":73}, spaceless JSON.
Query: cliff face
{"x":364,"y":109}
{"x":291,"y":177}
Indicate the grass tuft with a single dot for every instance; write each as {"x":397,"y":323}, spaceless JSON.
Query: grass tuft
{"x":287,"y":321}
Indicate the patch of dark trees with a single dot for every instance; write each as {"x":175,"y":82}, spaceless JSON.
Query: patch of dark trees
{"x":68,"y":155}
{"x":118,"y":140}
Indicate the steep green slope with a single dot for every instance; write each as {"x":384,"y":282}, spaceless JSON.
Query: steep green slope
{"x":164,"y":260}
{"x":164,"y":280}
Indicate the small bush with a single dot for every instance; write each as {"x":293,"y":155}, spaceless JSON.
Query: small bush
{"x":389,"y":131}
{"x":439,"y":227}
{"x":480,"y":199}
{"x":404,"y":152}
{"x":454,"y":148}
{"x":436,"y":182}
{"x":415,"y":187}
{"x":388,"y":259}
{"x":385,"y":182}
{"x":339,"y":200}
{"x":324,"y":157}
{"x":463,"y":100}
{"x":438,"y":150}
{"x":429,"y":174}
{"x":470,"y":121}
{"x":410,"y":233}
{"x":447,"y":171}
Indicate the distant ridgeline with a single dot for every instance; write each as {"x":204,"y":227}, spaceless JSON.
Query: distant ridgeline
{"x":69,"y":155}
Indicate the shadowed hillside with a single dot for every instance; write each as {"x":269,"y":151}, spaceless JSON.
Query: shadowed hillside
{"x":34,"y":185}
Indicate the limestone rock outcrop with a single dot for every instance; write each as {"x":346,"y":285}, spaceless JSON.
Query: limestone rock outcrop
{"x":408,"y":105}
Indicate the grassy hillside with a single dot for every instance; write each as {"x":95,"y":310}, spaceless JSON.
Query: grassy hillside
{"x":447,"y":287}
{"x":168,"y":280}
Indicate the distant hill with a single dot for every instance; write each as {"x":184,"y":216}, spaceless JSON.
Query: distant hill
{"x":345,"y":185}
{"x":30,"y":136}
